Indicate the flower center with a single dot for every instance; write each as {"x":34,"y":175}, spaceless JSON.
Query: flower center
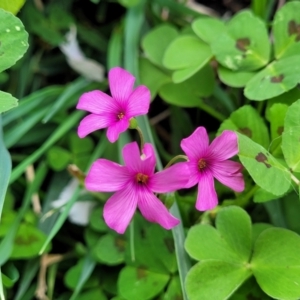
{"x":202,"y":164}
{"x":141,"y":178}
{"x":120,"y":115}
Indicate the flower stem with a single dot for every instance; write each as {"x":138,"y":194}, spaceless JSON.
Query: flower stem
{"x":295,"y":179}
{"x":211,"y":111}
{"x":141,"y":138}
{"x":174,"y":159}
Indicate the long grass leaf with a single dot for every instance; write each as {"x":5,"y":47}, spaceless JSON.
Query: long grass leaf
{"x":57,"y":134}
{"x":6,"y":245}
{"x":72,"y":89}
{"x":39,"y":98}
{"x":5,"y":169}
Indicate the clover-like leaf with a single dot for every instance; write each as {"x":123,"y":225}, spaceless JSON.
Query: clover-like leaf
{"x":13,"y":39}
{"x":214,"y":279}
{"x":276,"y":79}
{"x":265,"y":170}
{"x":276,"y":263}
{"x":208,"y":29}
{"x":234,"y":78}
{"x":7,"y":101}
{"x":140,"y":284}
{"x":245,"y":46}
{"x":247,"y":121}
{"x":286,"y":30}
{"x":157,"y":41}
{"x":291,"y":136}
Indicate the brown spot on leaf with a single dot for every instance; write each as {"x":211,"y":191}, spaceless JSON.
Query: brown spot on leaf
{"x":242,"y":44}
{"x":277,"y":79}
{"x":141,"y":273}
{"x":280,"y":130}
{"x":169,"y":244}
{"x":294,"y":28}
{"x":260,"y":157}
{"x":246,"y":131}
{"x":120,"y":244}
{"x":26,"y":241}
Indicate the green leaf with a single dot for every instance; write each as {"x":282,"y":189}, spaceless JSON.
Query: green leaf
{"x":58,"y":158}
{"x":264,"y":169}
{"x":13,"y":39}
{"x":187,"y":52}
{"x":96,"y":220}
{"x":110,"y":250}
{"x":234,"y":225}
{"x":276,"y":263}
{"x":7,"y":101}
{"x":12,"y":6}
{"x":213,"y":279}
{"x":276,"y":79}
{"x":215,"y":247}
{"x":174,"y":291}
{"x":156,"y":41}
{"x":152,"y":77}
{"x":286,"y":32}
{"x":245,"y":46}
{"x":95,"y":293}
{"x":28,"y":242}
{"x":277,"y":114}
{"x":208,"y":29}
{"x":140,"y":284}
{"x":10,"y":275}
{"x":247,"y":121}
{"x":72,"y":277}
{"x":262,"y":195}
{"x":257,"y":229}
{"x":188,"y":93}
{"x":234,"y":78}
{"x":290,"y":137}
{"x":230,"y":241}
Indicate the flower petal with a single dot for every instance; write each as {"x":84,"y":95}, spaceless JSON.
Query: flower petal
{"x":171,"y":179}
{"x":153,"y":210}
{"x":97,"y":102}
{"x":194,"y":174}
{"x":138,"y":102}
{"x":106,"y":176}
{"x":119,"y":209}
{"x":207,"y":197}
{"x":114,"y":130}
{"x":223,"y":146}
{"x":121,"y":84}
{"x":228,"y":173}
{"x":92,"y":123}
{"x":195,"y":146}
{"x":138,"y":163}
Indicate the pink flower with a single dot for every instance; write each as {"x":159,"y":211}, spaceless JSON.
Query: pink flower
{"x":134,"y":185}
{"x":207,"y":162}
{"x":113,"y":112}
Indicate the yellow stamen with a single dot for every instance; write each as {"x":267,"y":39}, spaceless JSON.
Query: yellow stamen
{"x":201,"y":164}
{"x":141,"y":178}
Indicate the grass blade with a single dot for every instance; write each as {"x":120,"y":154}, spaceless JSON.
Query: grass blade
{"x":57,"y":134}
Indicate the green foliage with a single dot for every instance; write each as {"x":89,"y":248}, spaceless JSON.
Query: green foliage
{"x":12,"y":6}
{"x":273,"y":260}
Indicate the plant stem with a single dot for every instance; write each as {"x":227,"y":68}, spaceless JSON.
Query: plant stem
{"x":174,"y":159}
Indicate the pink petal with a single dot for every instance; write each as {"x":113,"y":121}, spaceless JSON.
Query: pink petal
{"x":207,"y":197}
{"x":138,"y":163}
{"x":92,"y":123}
{"x":116,"y":129}
{"x":171,"y":179}
{"x":195,"y":146}
{"x":194,"y":174}
{"x":224,"y":146}
{"x":228,"y":173}
{"x":138,"y":102}
{"x":119,"y":209}
{"x":154,"y":211}
{"x":106,"y":176}
{"x":97,"y":102}
{"x":121,"y":84}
